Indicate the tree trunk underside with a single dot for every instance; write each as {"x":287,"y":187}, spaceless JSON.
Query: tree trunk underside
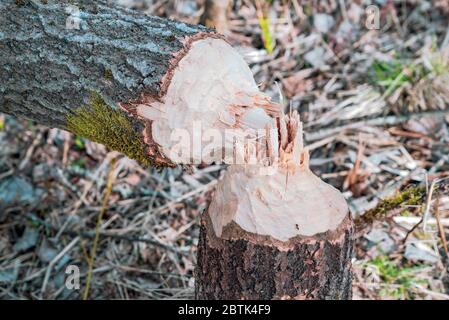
{"x":250,"y":267}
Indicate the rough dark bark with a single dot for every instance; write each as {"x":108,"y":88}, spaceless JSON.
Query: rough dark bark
{"x":56,"y":58}
{"x":240,"y":265}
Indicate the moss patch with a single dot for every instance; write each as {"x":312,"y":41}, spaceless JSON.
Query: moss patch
{"x":108,"y":74}
{"x":100,"y":123}
{"x":398,"y":279}
{"x":411,"y":196}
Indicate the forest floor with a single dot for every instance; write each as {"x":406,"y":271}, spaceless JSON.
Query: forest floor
{"x":374,"y":101}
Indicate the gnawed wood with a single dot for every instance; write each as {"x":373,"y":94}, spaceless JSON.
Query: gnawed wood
{"x":276,"y":231}
{"x":122,"y":78}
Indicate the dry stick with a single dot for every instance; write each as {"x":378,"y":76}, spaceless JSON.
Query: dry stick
{"x":429,"y":200}
{"x":426,"y":214}
{"x":388,"y":120}
{"x":409,"y":232}
{"x":54,"y":261}
{"x":97,"y":229}
{"x":440,"y":226}
{"x":413,"y":220}
{"x":90,"y":235}
{"x":186,"y":196}
{"x":30,"y":151}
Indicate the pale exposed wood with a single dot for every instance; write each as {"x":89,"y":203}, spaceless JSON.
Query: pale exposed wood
{"x":283,"y":200}
{"x":211,"y":88}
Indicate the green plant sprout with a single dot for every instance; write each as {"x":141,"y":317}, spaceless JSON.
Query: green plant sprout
{"x":398,"y":279}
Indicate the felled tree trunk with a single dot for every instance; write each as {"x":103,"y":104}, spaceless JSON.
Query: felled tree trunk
{"x":119,"y":77}
{"x":83,"y":67}
{"x":275,"y":234}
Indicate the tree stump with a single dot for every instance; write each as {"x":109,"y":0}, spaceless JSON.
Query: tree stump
{"x":276,"y":234}
{"x":255,"y":267}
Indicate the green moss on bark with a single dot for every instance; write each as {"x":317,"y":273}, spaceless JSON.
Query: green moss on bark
{"x":100,"y":123}
{"x":411,"y":196}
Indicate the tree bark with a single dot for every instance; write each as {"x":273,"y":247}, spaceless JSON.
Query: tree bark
{"x":251,"y":266}
{"x":83,"y":67}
